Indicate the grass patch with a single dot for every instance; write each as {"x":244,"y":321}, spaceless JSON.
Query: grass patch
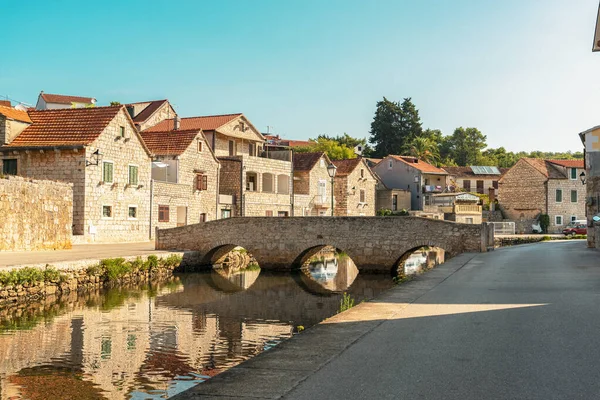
{"x":346,"y":302}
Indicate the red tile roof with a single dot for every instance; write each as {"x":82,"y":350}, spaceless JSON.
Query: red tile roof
{"x":148,"y":111}
{"x":65,"y":127}
{"x":168,"y":143}
{"x":345,"y":167}
{"x":420,"y":165}
{"x":545,"y":168}
{"x":568,"y":163}
{"x":306,"y":161}
{"x":62,"y":99}
{"x":13,"y":113}
{"x":207,"y":123}
{"x":5,"y":103}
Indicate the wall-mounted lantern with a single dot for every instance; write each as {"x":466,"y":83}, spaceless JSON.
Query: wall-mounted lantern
{"x":94,"y":159}
{"x":582,"y":178}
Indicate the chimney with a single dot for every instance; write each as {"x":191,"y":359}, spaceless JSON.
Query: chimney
{"x":176,"y":123}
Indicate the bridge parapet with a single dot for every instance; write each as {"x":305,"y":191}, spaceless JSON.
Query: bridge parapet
{"x":374,"y":243}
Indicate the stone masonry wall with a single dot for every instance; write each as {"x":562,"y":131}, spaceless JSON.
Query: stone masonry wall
{"x":593,"y":209}
{"x":164,"y":112}
{"x":347,"y":193}
{"x":257,"y":203}
{"x":566,"y":208}
{"x":307,"y":200}
{"x":230,"y":180}
{"x":35,"y":215}
{"x":384,"y":199}
{"x":10,"y":129}
{"x":522,"y":194}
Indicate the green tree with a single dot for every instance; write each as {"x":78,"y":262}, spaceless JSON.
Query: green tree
{"x":332,"y":148}
{"x":350,"y":142}
{"x":394,"y":127}
{"x":465,"y":145}
{"x":425,"y":149}
{"x":115,"y":103}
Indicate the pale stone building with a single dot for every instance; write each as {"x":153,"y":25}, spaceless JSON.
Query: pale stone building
{"x":474,"y":179}
{"x":422,"y":179}
{"x":354,"y":188}
{"x":47,"y":101}
{"x":101,"y":153}
{"x":146,"y":114}
{"x":534,"y":186}
{"x":312,"y":185}
{"x":252,"y":182}
{"x":391,"y":199}
{"x":591,"y":140}
{"x":457,"y":207}
{"x":185,"y":175}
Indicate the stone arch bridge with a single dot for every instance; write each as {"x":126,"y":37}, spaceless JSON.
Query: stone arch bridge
{"x":375,"y":244}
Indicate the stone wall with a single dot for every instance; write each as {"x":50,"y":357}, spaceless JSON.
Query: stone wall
{"x":593,"y":209}
{"x":10,"y":129}
{"x":307,"y":200}
{"x":347,"y":193}
{"x":164,"y":112}
{"x":373,"y":243}
{"x":35,"y":215}
{"x":230,"y":180}
{"x":384,"y":199}
{"x":566,"y":208}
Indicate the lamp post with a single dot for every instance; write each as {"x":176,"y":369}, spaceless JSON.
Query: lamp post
{"x":582,"y":178}
{"x":331,"y":169}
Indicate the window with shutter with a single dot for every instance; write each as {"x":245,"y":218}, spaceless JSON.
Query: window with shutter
{"x":559,"y":196}
{"x":573,"y":196}
{"x":163,"y":213}
{"x":362,"y":196}
{"x":107,"y":172}
{"x":467,"y":185}
{"x":133,"y":175}
{"x":201,"y":182}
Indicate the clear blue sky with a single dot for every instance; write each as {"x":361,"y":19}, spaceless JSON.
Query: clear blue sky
{"x":521,"y":71}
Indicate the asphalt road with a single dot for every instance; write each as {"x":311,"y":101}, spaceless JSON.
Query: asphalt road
{"x":516,"y":323}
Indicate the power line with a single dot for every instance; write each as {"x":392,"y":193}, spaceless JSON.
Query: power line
{"x":15,"y":100}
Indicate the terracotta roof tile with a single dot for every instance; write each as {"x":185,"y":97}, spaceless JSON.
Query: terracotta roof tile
{"x":546,"y":168}
{"x":207,"y":123}
{"x":13,"y":113}
{"x":568,"y":163}
{"x":168,"y":143}
{"x":345,"y":167}
{"x":5,"y":103}
{"x":62,"y":99}
{"x":65,"y":127}
{"x":148,"y":111}
{"x":306,"y":161}
{"x":420,"y":165}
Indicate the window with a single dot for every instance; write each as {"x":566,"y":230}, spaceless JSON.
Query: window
{"x":390,"y":164}
{"x":269,"y":213}
{"x":133,"y":175}
{"x":231,"y":148}
{"x":395,"y":202}
{"x":107,"y":212}
{"x":201,"y":182}
{"x":242,"y":126}
{"x":107,"y":172}
{"x":573,"y":195}
{"x":252,"y":149}
{"x":181,"y":215}
{"x":322,"y":191}
{"x":283,"y":184}
{"x":199,"y":146}
{"x":9,"y":166}
{"x":362,"y":196}
{"x":132,"y":213}
{"x":163,"y":213}
{"x":559,"y":195}
{"x":573,"y":218}
{"x":480,"y":187}
{"x":362,"y":172}
{"x":282,"y":213}
{"x":267,"y":183}
{"x":495,"y":184}
{"x":467,"y":185}
{"x":322,"y":163}
{"x":225,"y":214}
{"x":122,"y":131}
{"x":574,"y":174}
{"x":203,"y":217}
{"x":558,"y":220}
{"x":251,"y":181}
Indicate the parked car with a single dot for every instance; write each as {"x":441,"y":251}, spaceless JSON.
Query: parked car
{"x":580,"y":229}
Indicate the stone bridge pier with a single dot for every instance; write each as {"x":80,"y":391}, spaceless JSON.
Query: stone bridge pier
{"x":375,"y":244}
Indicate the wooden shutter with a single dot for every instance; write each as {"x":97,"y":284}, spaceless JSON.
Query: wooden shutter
{"x":133,"y":175}
{"x":204,"y":182}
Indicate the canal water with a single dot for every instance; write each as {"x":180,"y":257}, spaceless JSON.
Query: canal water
{"x":154,"y":341}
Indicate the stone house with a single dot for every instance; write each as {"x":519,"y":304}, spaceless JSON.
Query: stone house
{"x":457,"y":207}
{"x":591,"y":140}
{"x":422,"y":179}
{"x":312,"y":185}
{"x":474,"y":179}
{"x":252,"y":182}
{"x":534,"y":186}
{"x":147,"y":114}
{"x":101,"y":153}
{"x":354,"y":188}
{"x":391,"y":199}
{"x":47,"y":101}
{"x":185,"y":172}
{"x":12,"y":123}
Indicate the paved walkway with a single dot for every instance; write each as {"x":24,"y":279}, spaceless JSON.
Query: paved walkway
{"x":517,"y":323}
{"x":78,"y":252}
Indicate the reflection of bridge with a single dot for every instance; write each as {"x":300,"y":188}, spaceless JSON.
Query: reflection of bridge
{"x":373,"y":243}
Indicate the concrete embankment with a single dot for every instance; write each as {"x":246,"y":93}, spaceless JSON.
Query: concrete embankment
{"x":276,"y":372}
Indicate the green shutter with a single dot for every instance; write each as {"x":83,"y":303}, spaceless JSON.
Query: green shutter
{"x":133,"y":175}
{"x":558,"y":195}
{"x":107,"y":172}
{"x":573,"y":173}
{"x":573,"y":196}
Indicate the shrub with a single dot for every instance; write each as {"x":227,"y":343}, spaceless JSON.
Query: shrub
{"x":152,"y":262}
{"x":115,"y":268}
{"x":137,"y":264}
{"x":94,"y":270}
{"x":171,"y":261}
{"x":544,"y":222}
{"x":346,"y":303}
{"x":51,"y":274}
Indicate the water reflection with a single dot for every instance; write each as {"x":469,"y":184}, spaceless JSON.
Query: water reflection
{"x":422,"y":259}
{"x":330,"y":270}
{"x":153,"y":342}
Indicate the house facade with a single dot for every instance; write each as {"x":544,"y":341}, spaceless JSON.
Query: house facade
{"x":422,"y":179}
{"x":146,"y":114}
{"x":100,"y":152}
{"x":591,"y":140}
{"x":312,"y":185}
{"x":534,"y":186}
{"x":252,"y":182}
{"x":474,"y":179}
{"x":47,"y":101}
{"x":457,"y":207}
{"x":354,"y":188}
{"x":184,"y":182}
{"x":391,"y":199}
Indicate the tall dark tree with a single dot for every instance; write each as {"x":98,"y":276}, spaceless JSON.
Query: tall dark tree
{"x":394,"y":127}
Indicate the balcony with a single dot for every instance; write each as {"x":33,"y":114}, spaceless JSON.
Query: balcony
{"x":467,"y":209}
{"x":433,"y":189}
{"x":321,"y":202}
{"x":281,"y":155}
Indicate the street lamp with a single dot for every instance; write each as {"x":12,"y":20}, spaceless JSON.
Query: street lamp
{"x":582,"y":178}
{"x":331,"y":169}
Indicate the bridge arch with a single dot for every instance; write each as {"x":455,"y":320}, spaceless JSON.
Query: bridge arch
{"x":407,"y":252}
{"x":311,"y":251}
